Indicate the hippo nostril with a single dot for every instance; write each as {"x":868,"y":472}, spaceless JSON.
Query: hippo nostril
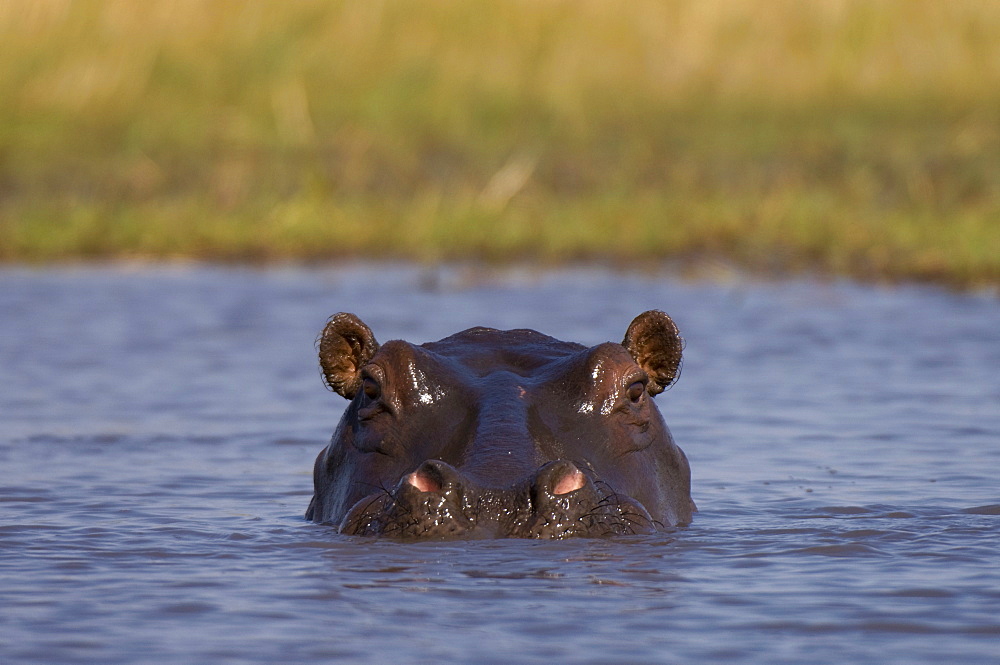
{"x":423,"y":481}
{"x":433,"y":476}
{"x":570,"y":482}
{"x":559,"y":478}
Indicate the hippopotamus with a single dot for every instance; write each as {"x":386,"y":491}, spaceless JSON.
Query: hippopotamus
{"x":501,"y":433}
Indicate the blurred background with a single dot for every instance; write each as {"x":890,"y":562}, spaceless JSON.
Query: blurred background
{"x":827,"y":137}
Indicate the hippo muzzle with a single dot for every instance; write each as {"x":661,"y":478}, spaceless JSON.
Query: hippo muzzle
{"x":492,"y":434}
{"x":436,"y":501}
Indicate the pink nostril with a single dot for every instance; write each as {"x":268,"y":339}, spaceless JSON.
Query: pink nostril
{"x":569,"y":483}
{"x":423,"y":482}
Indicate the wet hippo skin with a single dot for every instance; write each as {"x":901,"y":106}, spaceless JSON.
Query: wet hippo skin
{"x":490,"y":434}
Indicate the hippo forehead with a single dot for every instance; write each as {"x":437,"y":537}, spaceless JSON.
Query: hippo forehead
{"x":485,"y":351}
{"x":498,"y":365}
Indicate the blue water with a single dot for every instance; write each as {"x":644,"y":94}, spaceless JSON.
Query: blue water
{"x":158,"y":426}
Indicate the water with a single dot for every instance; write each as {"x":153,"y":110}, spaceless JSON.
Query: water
{"x":158,"y":426}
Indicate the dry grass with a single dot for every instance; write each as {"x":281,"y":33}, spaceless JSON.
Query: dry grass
{"x":857,"y":138}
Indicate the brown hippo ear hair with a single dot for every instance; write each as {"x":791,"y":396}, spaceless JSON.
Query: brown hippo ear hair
{"x":345,"y":345}
{"x":656,"y":345}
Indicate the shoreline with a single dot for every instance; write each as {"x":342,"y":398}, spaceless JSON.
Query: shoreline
{"x":459,"y":273}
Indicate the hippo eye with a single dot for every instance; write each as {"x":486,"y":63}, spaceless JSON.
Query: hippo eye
{"x":636,"y":391}
{"x":371,"y":388}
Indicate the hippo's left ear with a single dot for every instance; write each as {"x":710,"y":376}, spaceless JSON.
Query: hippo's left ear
{"x":345,"y":346}
{"x":656,"y":345}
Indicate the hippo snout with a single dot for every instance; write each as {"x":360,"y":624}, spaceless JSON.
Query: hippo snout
{"x":437,"y":500}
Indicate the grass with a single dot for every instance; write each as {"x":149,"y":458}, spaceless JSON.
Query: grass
{"x":834,"y":137}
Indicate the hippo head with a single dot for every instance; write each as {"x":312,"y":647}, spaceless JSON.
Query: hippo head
{"x":492,"y":433}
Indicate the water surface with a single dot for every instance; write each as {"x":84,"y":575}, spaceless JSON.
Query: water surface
{"x":158,"y":426}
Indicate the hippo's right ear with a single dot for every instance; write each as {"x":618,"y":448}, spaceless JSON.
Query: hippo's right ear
{"x":656,"y":345}
{"x":345,"y":345}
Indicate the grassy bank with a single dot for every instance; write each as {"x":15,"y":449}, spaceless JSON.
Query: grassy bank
{"x":857,"y":138}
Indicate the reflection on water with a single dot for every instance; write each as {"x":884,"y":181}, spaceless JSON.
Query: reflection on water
{"x":157,"y":430}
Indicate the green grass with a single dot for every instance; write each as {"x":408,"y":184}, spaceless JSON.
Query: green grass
{"x":848,"y":138}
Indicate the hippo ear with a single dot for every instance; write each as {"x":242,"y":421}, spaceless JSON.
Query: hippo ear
{"x":656,"y":345}
{"x":345,"y":345}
